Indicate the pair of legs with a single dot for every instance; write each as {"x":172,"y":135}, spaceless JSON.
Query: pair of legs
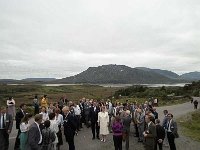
{"x":117,"y":142}
{"x":171,"y":138}
{"x":95,"y":126}
{"x":103,"y":138}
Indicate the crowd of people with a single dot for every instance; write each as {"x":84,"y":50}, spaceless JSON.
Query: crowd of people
{"x":53,"y":120}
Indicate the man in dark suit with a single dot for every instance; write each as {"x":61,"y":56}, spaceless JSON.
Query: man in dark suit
{"x":19,"y":115}
{"x":69,"y":127}
{"x":34,"y":134}
{"x":6,"y":123}
{"x":160,"y":135}
{"x":93,"y":115}
{"x":171,"y":131}
{"x":150,"y":133}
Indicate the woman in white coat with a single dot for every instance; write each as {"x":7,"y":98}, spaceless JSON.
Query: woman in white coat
{"x":54,"y":128}
{"x":103,"y":121}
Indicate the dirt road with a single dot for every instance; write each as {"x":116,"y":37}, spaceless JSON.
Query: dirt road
{"x":84,"y":139}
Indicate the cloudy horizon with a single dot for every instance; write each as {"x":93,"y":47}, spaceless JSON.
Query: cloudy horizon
{"x":57,"y":39}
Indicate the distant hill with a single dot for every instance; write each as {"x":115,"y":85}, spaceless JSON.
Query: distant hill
{"x":119,"y":74}
{"x":8,"y":81}
{"x":166,"y":73}
{"x":192,"y":76}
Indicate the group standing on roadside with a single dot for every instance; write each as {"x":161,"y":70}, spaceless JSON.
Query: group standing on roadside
{"x":45,"y":132}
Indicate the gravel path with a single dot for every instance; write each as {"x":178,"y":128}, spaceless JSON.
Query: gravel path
{"x":84,"y":139}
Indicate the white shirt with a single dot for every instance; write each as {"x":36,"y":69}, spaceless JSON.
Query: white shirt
{"x":77,"y":110}
{"x":40,"y":133}
{"x":169,"y":126}
{"x":149,"y":124}
{"x":8,"y":102}
{"x":59,"y":119}
{"x":24,"y":127}
{"x":1,"y":127}
{"x":44,"y":116}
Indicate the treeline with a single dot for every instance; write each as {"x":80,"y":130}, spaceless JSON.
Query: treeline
{"x":188,"y":90}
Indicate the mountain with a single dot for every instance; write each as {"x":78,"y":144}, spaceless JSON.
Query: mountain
{"x":192,"y":76}
{"x":8,"y":81}
{"x":118,"y":74}
{"x":166,"y":73}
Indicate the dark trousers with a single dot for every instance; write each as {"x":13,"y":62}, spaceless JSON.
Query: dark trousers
{"x":117,"y":142}
{"x":17,"y":141}
{"x":70,"y":141}
{"x":170,"y":138}
{"x":4,"y":139}
{"x":94,"y":126}
{"x":78,"y":121}
{"x":160,"y":145}
{"x":136,"y":130}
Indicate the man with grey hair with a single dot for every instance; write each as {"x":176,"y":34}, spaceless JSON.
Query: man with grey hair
{"x":126,"y":124}
{"x":6,"y":123}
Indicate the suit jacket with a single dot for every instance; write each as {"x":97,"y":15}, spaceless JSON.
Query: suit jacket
{"x":19,"y":116}
{"x":173,"y":128}
{"x":69,"y":126}
{"x":160,"y":132}
{"x":151,"y":135}
{"x":33,"y":137}
{"x":94,"y":114}
{"x":8,"y":122}
{"x":126,"y":123}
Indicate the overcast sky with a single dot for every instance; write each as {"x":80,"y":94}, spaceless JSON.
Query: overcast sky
{"x":59,"y":38}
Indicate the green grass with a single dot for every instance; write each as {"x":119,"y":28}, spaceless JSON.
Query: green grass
{"x":191,"y":125}
{"x":26,"y":93}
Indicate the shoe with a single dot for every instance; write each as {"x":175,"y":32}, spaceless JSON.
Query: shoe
{"x":93,"y":138}
{"x":102,"y":140}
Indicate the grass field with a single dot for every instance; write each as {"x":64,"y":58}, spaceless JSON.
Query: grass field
{"x":191,"y":125}
{"x":26,"y":93}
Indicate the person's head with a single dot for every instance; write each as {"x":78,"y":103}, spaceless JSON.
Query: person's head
{"x":148,"y":118}
{"x":65,"y":110}
{"x":36,"y":97}
{"x":10,"y":98}
{"x":57,"y":110}
{"x":51,"y":106}
{"x":51,"y":116}
{"x":165,"y":112}
{"x":103,"y":108}
{"x":38,"y":118}
{"x":45,"y":96}
{"x":23,"y":106}
{"x":3,"y":109}
{"x":43,"y":109}
{"x":127,"y":112}
{"x":47,"y":124}
{"x":170,"y":116}
{"x":154,"y":109}
{"x":157,"y":121}
{"x":117,"y":118}
{"x":139,"y":111}
{"x":94,"y":104}
{"x":26,"y":118}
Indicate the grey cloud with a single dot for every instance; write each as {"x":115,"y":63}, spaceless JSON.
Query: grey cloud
{"x":61,"y":38}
